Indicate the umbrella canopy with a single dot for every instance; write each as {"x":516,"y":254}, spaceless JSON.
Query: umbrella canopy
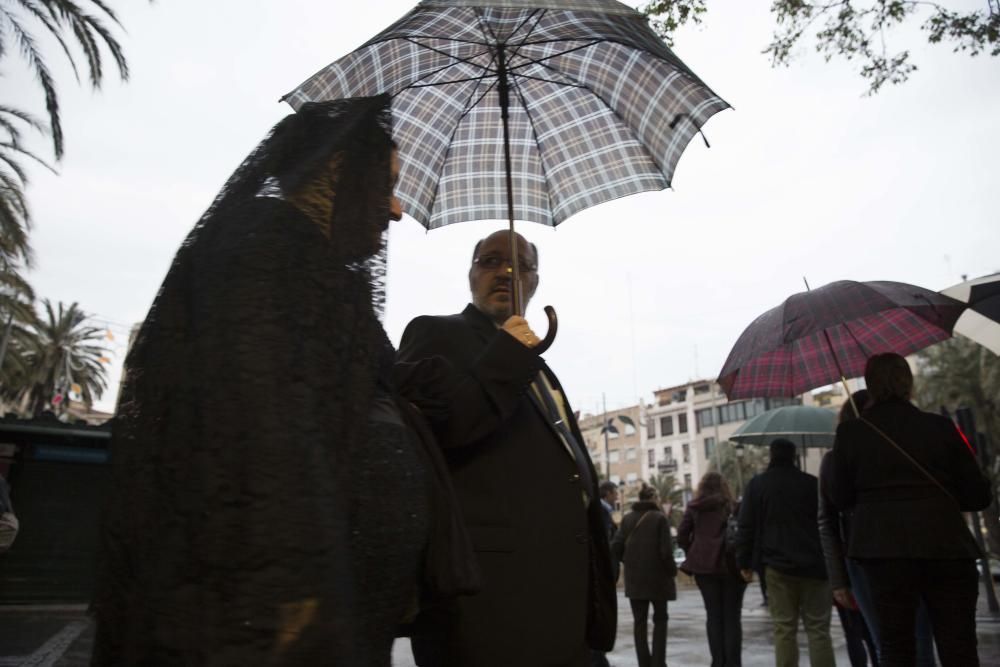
{"x":805,"y":425}
{"x":981,"y":321}
{"x":597,"y":107}
{"x":818,"y":337}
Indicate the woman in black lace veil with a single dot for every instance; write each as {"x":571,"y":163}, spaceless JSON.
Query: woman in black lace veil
{"x":268,"y":503}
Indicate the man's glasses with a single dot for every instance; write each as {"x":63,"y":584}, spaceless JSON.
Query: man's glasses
{"x":494,"y":262}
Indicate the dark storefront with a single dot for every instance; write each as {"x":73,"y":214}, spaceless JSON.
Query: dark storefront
{"x":58,"y":473}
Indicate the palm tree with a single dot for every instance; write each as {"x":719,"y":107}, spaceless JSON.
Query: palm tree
{"x":670,"y":492}
{"x":64,"y":353}
{"x":17,"y":313}
{"x":60,"y":18}
{"x":738,"y":468}
{"x":67,"y":21}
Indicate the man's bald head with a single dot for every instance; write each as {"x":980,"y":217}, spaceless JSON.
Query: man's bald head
{"x":490,"y":274}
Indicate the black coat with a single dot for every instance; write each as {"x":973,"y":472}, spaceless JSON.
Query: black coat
{"x":646,"y":548}
{"x":543,"y":552}
{"x":897,"y":511}
{"x":777,"y":524}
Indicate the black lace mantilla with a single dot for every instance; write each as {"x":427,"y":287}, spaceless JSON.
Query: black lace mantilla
{"x":247,"y":392}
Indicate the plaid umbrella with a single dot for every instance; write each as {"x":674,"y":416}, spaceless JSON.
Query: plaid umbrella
{"x":821,"y":336}
{"x":981,"y":321}
{"x":597,"y":106}
{"x":528,"y":110}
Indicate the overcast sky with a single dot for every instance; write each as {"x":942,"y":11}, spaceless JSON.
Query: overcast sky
{"x":805,"y":177}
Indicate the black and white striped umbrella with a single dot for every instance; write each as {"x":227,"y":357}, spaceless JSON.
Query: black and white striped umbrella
{"x":981,"y":321}
{"x":591,"y":103}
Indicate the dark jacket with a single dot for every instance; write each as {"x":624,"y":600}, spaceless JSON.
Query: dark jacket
{"x":548,"y":588}
{"x":778,"y":523}
{"x":702,"y":535}
{"x":897,"y":511}
{"x":643,"y":543}
{"x":833,"y":529}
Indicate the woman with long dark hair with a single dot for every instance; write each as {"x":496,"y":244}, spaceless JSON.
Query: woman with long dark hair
{"x":259,"y":427}
{"x":702,"y":536}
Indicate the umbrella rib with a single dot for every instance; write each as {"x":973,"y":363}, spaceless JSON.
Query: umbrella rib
{"x":445,"y":83}
{"x":607,"y":106}
{"x":467,"y":61}
{"x":534,"y":133}
{"x":557,"y":83}
{"x":485,"y":27}
{"x":454,"y":131}
{"x":541,"y":61}
{"x":516,"y":49}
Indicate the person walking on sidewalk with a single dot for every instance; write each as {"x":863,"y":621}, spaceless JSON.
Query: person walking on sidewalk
{"x":907,"y":476}
{"x":702,"y":535}
{"x":778,"y":531}
{"x":644,"y":544}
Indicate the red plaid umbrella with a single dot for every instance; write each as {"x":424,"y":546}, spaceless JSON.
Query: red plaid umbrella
{"x":818,"y":337}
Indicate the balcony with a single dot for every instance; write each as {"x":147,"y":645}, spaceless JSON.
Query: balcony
{"x":666,"y":466}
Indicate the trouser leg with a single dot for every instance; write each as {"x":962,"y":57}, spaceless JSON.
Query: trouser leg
{"x":783,"y":603}
{"x":711,"y":588}
{"x":640,"y":612}
{"x":732,"y":625}
{"x":950,"y":589}
{"x":895,"y":589}
{"x":816,"y":609}
{"x":659,"y":633}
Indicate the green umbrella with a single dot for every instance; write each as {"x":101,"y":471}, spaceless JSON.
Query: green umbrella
{"x":804,"y":425}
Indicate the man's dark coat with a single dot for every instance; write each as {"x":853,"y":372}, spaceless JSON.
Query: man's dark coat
{"x":646,"y":547}
{"x":777,"y":524}
{"x":547,"y":584}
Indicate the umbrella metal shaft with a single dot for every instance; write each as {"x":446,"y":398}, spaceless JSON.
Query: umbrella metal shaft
{"x":503,"y":89}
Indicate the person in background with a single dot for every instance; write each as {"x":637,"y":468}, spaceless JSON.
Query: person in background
{"x":906,"y":476}
{"x":702,"y":535}
{"x":834,"y":533}
{"x":778,"y":531}
{"x":609,"y":498}
{"x":644,"y":544}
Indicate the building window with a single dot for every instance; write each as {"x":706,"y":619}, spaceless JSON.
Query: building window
{"x":733,"y":412}
{"x":682,"y":423}
{"x":613,"y":457}
{"x":667,"y":425}
{"x":630,"y":454}
{"x":632,"y":478}
{"x":687,"y":480}
{"x":686,"y":453}
{"x":651,"y":458}
{"x":709,"y":447}
{"x":650,"y":428}
{"x":668,"y":453}
{"x":616,"y":479}
{"x":704,"y":418}
{"x":701,"y":389}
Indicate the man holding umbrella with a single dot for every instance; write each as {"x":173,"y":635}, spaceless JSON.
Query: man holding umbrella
{"x":548,"y":594}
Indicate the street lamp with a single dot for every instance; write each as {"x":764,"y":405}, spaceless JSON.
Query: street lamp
{"x":739,"y":465}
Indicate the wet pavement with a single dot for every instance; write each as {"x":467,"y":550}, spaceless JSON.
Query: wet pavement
{"x":61,"y":636}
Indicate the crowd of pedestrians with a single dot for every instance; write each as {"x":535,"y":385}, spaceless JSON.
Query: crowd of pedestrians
{"x":879,"y":536}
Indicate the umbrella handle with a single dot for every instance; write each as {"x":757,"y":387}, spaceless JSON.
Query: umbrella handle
{"x":550,"y":335}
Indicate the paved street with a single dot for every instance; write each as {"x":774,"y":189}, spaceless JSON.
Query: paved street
{"x":62,"y":636}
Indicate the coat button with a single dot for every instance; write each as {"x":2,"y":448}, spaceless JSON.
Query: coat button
{"x":574,"y":479}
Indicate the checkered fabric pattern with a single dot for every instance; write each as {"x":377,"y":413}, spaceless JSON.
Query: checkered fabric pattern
{"x":600,"y":108}
{"x":786,"y":351}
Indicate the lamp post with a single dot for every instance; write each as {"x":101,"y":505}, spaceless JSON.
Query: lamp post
{"x":739,"y":466}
